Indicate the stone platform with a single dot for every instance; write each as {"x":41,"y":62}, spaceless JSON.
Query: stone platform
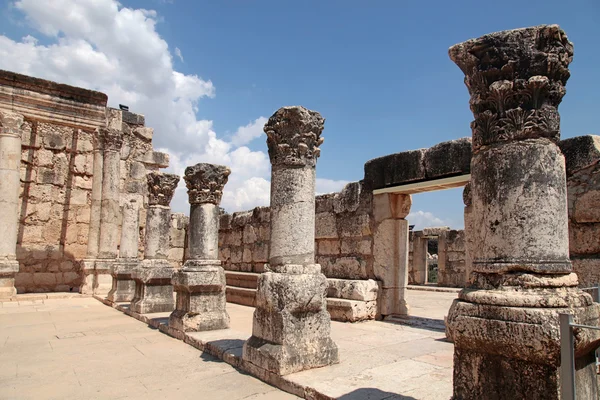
{"x":378,"y":360}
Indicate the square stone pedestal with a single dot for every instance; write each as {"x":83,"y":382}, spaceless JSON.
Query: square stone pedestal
{"x":123,"y":285}
{"x":201,"y":301}
{"x":153,"y":288}
{"x":507,"y":352}
{"x":103,"y":276}
{"x":292,"y":328}
{"x":8,"y":270}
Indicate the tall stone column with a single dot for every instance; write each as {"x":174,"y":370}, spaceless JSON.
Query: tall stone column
{"x":153,"y":289}
{"x":200,"y":284}
{"x":88,"y":264}
{"x":505,"y":326}
{"x":291,"y":329}
{"x":10,"y":164}
{"x":123,"y":288}
{"x":109,"y":214}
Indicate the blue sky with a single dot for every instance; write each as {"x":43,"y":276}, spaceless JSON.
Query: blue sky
{"x":378,"y":72}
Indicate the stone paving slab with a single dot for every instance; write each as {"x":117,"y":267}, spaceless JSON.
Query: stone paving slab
{"x":378,"y":360}
{"x":79,"y":348}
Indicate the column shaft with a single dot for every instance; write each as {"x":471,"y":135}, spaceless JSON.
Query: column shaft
{"x":123,"y":287}
{"x":10,"y":164}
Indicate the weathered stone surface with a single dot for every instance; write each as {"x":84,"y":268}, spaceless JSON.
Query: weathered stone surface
{"x":351,"y":310}
{"x":348,"y":200}
{"x":155,"y":159}
{"x":448,"y":159}
{"x":343,"y":267}
{"x":391,"y":205}
{"x":132,"y":118}
{"x":205,"y":182}
{"x":161,"y":188}
{"x":353,"y":225}
{"x":325,"y":226}
{"x":587,"y":207}
{"x":395,"y":169}
{"x":153,"y":288}
{"x":363,"y":290}
{"x":584,"y":239}
{"x":580,"y":152}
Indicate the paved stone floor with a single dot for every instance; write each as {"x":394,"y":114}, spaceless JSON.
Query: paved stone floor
{"x":82,"y":348}
{"x":79,"y":348}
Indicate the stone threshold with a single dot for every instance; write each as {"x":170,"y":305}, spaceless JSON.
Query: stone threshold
{"x":225,"y":344}
{"x":42,"y":296}
{"x":432,"y":288}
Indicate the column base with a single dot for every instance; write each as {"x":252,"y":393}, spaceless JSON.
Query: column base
{"x":123,"y":285}
{"x":507,"y":352}
{"x":153,"y":288}
{"x":8,"y":270}
{"x":87,"y":269}
{"x":200,"y":306}
{"x":103,"y":276}
{"x":291,"y":329}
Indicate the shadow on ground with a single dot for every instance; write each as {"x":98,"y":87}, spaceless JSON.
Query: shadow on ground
{"x":373,"y":394}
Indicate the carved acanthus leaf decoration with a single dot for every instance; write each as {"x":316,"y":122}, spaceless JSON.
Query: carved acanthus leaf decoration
{"x":161,"y":188}
{"x":205,"y":182}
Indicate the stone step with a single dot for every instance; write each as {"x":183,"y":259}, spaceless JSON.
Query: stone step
{"x":246,"y":280}
{"x":243,"y":296}
{"x":351,"y":310}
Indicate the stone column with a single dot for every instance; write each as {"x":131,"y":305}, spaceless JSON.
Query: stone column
{"x":153,"y":289}
{"x":390,"y":252}
{"x":123,"y":288}
{"x":109,"y":215}
{"x":420,"y":267}
{"x":505,"y":327}
{"x":291,"y":330}
{"x":200,"y":284}
{"x":88,"y":264}
{"x":10,"y":164}
{"x":468,"y":233}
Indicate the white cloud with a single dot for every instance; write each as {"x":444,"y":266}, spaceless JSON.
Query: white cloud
{"x":101,"y":45}
{"x":324,"y":186}
{"x":424,"y":219}
{"x":245,"y":134}
{"x":178,"y":53}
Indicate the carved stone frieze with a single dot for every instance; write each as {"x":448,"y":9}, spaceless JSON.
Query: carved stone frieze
{"x":516,"y":80}
{"x":205,"y":182}
{"x":294,"y":136}
{"x":161,"y":188}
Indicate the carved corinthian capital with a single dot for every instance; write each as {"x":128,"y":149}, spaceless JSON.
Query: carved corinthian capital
{"x":294,"y":136}
{"x":110,"y":139}
{"x":161,"y":188}
{"x":10,"y":123}
{"x":205,"y":182}
{"x":516,"y":80}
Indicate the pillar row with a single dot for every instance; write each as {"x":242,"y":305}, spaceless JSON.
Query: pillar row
{"x":291,"y":329}
{"x":10,"y":164}
{"x":505,"y":326}
{"x":153,"y":289}
{"x":200,"y":284}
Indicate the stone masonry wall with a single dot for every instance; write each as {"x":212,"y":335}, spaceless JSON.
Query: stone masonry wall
{"x":56,"y":184}
{"x":451,"y":259}
{"x":178,"y":239}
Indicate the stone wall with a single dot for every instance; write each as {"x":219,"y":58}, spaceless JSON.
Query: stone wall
{"x":59,"y":135}
{"x":583,"y":196}
{"x":178,"y":239}
{"x":451,"y":259}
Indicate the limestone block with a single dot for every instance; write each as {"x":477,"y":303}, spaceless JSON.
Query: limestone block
{"x":390,"y":205}
{"x":448,"y":159}
{"x":584,"y":238}
{"x":23,"y":280}
{"x":137,"y":170}
{"x":236,"y":254}
{"x":71,"y":278}
{"x":325,"y":226}
{"x":176,"y":254}
{"x":363,"y":290}
{"x":261,"y":215}
{"x":324,"y":203}
{"x":435,"y":230}
{"x":241,"y":218}
{"x":132,"y":118}
{"x":44,"y":157}
{"x":79,"y":197}
{"x":356,"y":246}
{"x":264,"y":233}
{"x":233,"y":238}
{"x":354,"y":225}
{"x":155,"y":159}
{"x":83,"y":182}
{"x":395,"y":169}
{"x":52,"y":140}
{"x":144,"y":133}
{"x":351,"y":310}
{"x":225,"y":222}
{"x":587,"y":207}
{"x":28,"y":137}
{"x":247,"y":255}
{"x":348,"y":200}
{"x":67,"y":266}
{"x":41,"y":192}
{"x":260,"y":252}
{"x":249,"y":234}
{"x":580,"y":152}
{"x":27,"y":174}
{"x":44,"y":279}
{"x":307,"y":296}
{"x":328,"y":247}
{"x":83,"y":215}
{"x":343,"y":267}
{"x":76,"y":250}
{"x":587,"y":270}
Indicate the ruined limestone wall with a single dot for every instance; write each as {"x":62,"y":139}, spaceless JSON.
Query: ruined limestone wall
{"x":343,"y":239}
{"x":451,"y":259}
{"x":58,"y":140}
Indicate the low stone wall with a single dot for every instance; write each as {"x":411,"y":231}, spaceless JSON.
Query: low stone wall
{"x":583,"y":195}
{"x":451,"y":259}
